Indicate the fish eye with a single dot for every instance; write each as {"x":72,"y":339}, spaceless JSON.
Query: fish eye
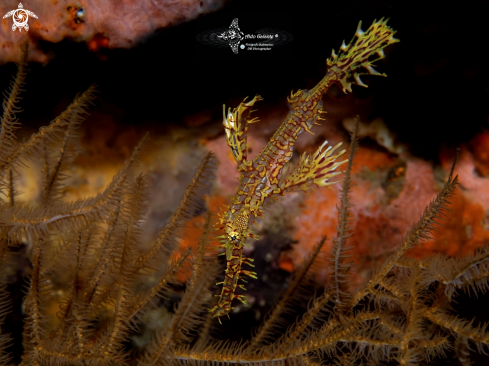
{"x":233,"y":236}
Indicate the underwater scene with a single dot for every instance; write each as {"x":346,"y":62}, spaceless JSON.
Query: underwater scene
{"x":224,"y":182}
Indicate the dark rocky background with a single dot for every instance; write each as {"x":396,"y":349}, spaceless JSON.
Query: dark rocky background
{"x":436,"y":92}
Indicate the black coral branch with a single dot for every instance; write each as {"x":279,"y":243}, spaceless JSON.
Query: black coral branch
{"x":339,"y":269}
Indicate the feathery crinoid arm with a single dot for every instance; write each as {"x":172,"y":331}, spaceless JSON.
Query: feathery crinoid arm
{"x":236,"y":127}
